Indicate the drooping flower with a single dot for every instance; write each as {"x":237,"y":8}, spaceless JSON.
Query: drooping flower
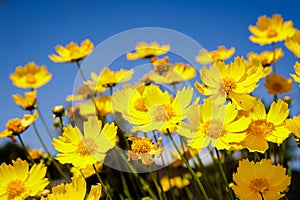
{"x":30,"y":76}
{"x":17,"y":126}
{"x":144,"y":50}
{"x":293,"y":125}
{"x":221,"y":54}
{"x":266,"y":58}
{"x":214,"y":124}
{"x":83,"y":150}
{"x":143,"y":149}
{"x":296,"y":76}
{"x":28,"y":102}
{"x":72,"y":52}
{"x":75,"y":190}
{"x":260,"y":180}
{"x":18,"y":182}
{"x":234,"y":81}
{"x":277,"y":84}
{"x":266,"y":128}
{"x":270,"y":30}
{"x":293,"y":43}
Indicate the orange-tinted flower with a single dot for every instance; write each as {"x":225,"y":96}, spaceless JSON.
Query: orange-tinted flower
{"x":266,"y":58}
{"x":144,"y":50}
{"x":221,"y":54}
{"x":293,"y":44}
{"x":277,"y":84}
{"x":28,"y":102}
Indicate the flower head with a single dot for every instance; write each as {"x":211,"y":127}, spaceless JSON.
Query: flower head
{"x":30,"y":76}
{"x":18,"y":182}
{"x":296,"y":76}
{"x":143,"y":149}
{"x":293,"y":125}
{"x":270,"y":30}
{"x":83,"y":150}
{"x":266,"y":58}
{"x":72,"y":52}
{"x":87,"y":172}
{"x":220,"y":54}
{"x":28,"y":102}
{"x":144,"y":50}
{"x":17,"y":126}
{"x":277,"y":84}
{"x":293,"y":43}
{"x":85,"y":92}
{"x":260,"y":180}
{"x":103,"y":107}
{"x":178,"y":181}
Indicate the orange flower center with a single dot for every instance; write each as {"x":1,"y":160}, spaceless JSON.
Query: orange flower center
{"x":214,"y":128}
{"x":272,"y":33}
{"x":140,"y":106}
{"x":30,"y":79}
{"x":86,"y":147}
{"x":15,"y":189}
{"x":277,"y":86}
{"x":141,"y":145}
{"x":228,"y":84}
{"x":259,"y":185}
{"x":260,"y":128}
{"x":163,"y":113}
{"x":15,"y":125}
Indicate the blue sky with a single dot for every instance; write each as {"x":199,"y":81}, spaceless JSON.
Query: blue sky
{"x":31,"y":29}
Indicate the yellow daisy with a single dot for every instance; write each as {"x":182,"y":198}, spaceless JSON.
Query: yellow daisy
{"x":72,"y":52}
{"x":75,"y":190}
{"x":296,"y":76}
{"x":266,"y":128}
{"x":221,"y":54}
{"x":144,"y":50}
{"x":87,"y":172}
{"x":234,"y":81}
{"x":17,"y":126}
{"x":293,"y":125}
{"x":83,"y":150}
{"x":103,"y":107}
{"x":18,"y":182}
{"x":28,"y":102}
{"x":270,"y":30}
{"x":266,"y":58}
{"x":143,"y":149}
{"x":30,"y":76}
{"x":277,"y":84}
{"x":260,"y":180}
{"x":214,"y":124}
{"x":293,"y":43}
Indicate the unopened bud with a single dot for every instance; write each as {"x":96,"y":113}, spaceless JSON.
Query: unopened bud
{"x":58,"y":111}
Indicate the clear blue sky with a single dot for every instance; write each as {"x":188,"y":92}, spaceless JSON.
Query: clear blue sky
{"x":31,"y":29}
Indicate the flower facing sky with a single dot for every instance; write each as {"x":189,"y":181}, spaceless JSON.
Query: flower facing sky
{"x":143,"y":149}
{"x":72,"y":52}
{"x":293,"y":125}
{"x":28,"y":102}
{"x":18,"y":182}
{"x":145,"y":50}
{"x":277,"y":84}
{"x":293,"y":43}
{"x":17,"y":126}
{"x":296,"y":76}
{"x":234,"y":81}
{"x":260,"y":180}
{"x":75,"y":190}
{"x":221,"y":54}
{"x":266,"y":57}
{"x":83,"y":150}
{"x":270,"y":30}
{"x":266,"y":128}
{"x":30,"y":76}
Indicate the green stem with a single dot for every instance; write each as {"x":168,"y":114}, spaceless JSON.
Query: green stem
{"x":104,"y":186}
{"x":25,"y":149}
{"x":61,"y":124}
{"x":44,"y":122}
{"x":158,"y":188}
{"x":273,"y":49}
{"x":80,"y":71}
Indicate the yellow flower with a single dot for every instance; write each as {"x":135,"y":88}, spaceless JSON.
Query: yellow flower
{"x":83,"y":150}
{"x":85,"y":92}
{"x":72,"y":52}
{"x":143,"y":149}
{"x":178,"y":181}
{"x":75,"y":190}
{"x":88,"y":171}
{"x":233,"y":81}
{"x":35,"y":153}
{"x":266,"y":58}
{"x":296,"y":76}
{"x":108,"y":78}
{"x":30,"y":76}
{"x":18,"y":182}
{"x":28,"y":102}
{"x":144,"y":50}
{"x":103,"y":106}
{"x":270,"y":30}
{"x":293,"y":125}
{"x":160,"y":65}
{"x":221,"y":54}
{"x":175,"y":74}
{"x":260,"y":180}
{"x":277,"y":84}
{"x":17,"y":126}
{"x":215,"y":125}
{"x":266,"y":127}
{"x":293,"y":43}
{"x":188,"y":154}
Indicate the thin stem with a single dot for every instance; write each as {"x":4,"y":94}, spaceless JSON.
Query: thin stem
{"x":158,"y":188}
{"x":44,"y":122}
{"x":273,"y":49}
{"x":61,"y":124}
{"x":80,"y":71}
{"x":104,"y":186}
{"x":25,"y":148}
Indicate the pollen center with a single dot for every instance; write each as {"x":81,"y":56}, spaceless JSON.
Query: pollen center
{"x":163,"y":113}
{"x":228,"y":84}
{"x":259,"y":185}
{"x":260,"y":128}
{"x":141,"y":145}
{"x":86,"y":147}
{"x":30,"y":79}
{"x":277,"y":86}
{"x":272,"y":33}
{"x":140,"y":106}
{"x":214,"y":128}
{"x":15,"y":125}
{"x":15,"y":189}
